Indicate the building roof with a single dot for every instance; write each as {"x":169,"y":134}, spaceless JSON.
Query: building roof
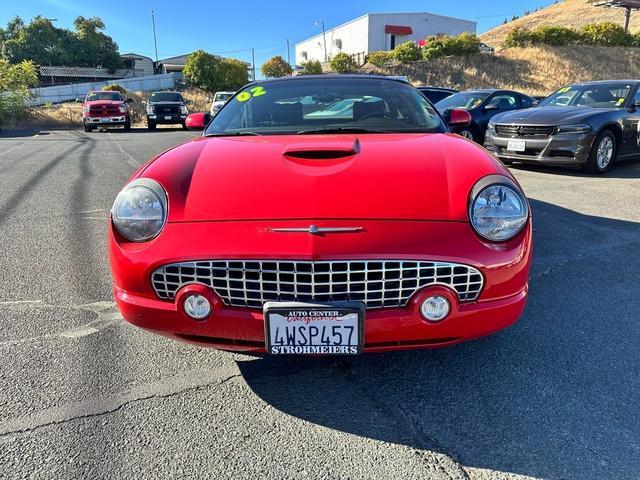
{"x":82,"y":72}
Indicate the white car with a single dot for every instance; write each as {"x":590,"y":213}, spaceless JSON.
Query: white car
{"x":484,"y":48}
{"x":219,"y":99}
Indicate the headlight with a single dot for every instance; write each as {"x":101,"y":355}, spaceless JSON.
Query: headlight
{"x":85,"y":109}
{"x":498,"y":210}
{"x":140,"y":210}
{"x":150,"y":110}
{"x":580,"y":128}
{"x":184,"y":110}
{"x":491,"y":127}
{"x":123,"y":109}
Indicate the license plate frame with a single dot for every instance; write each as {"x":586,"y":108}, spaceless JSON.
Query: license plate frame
{"x":168,"y":117}
{"x":299,"y":314}
{"x":516,"y":145}
{"x":105,"y":120}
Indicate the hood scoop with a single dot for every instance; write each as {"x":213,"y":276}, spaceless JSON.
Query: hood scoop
{"x":322,"y":148}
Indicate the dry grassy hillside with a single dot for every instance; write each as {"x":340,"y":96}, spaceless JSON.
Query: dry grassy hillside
{"x":533,"y":70}
{"x":569,"y":13}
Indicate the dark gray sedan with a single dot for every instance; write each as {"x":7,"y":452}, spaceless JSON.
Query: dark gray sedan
{"x":589,"y":125}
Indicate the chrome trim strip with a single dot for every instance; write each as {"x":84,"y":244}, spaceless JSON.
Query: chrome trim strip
{"x":315,"y":230}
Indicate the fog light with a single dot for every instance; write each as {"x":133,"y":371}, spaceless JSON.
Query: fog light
{"x":197,"y":307}
{"x":435,"y":308}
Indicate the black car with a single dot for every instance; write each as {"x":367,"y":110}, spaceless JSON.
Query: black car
{"x":589,"y":125}
{"x":167,"y":108}
{"x":483,"y":105}
{"x":435,"y":94}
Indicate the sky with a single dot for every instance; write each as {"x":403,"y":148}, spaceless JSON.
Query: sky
{"x":231,"y":29}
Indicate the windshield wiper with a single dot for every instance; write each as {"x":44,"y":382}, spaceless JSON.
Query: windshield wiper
{"x":339,"y":130}
{"x":231,"y":134}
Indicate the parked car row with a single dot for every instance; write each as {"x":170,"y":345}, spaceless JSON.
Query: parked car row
{"x":103,"y":109}
{"x":588,"y":125}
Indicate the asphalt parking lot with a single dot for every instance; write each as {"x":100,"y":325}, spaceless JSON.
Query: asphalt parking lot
{"x":85,"y":395}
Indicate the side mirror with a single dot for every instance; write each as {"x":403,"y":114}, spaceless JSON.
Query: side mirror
{"x":129,"y":100}
{"x":459,"y":118}
{"x":491,"y":106}
{"x":197,"y":121}
{"x":79,"y":100}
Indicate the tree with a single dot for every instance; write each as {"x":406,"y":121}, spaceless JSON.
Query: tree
{"x":234,"y":74}
{"x":213,"y":73}
{"x":43,"y":43}
{"x":276,"y":67}
{"x":15,"y":81}
{"x":343,"y":63}
{"x":312,"y":67}
{"x":407,"y":52}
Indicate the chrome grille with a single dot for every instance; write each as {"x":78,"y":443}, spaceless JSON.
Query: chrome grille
{"x":377,"y":283}
{"x":524,"y":130}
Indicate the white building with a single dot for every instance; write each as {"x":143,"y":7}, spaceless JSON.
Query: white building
{"x":378,"y":31}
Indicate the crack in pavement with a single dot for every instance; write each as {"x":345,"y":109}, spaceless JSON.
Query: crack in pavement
{"x":187,"y":382}
{"x":105,"y":318}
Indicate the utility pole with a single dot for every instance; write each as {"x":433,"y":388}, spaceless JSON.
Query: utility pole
{"x":155,"y":43}
{"x":288,"y":53}
{"x":253,"y":63}
{"x":324,"y":38}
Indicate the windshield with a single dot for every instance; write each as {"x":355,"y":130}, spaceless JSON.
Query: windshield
{"x":93,"y":96}
{"x":467,"y":100}
{"x":595,"y":96}
{"x":165,"y":97}
{"x":327,"y":104}
{"x":222,"y":97}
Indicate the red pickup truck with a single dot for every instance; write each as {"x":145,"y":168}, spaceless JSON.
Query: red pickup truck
{"x":103,"y":109}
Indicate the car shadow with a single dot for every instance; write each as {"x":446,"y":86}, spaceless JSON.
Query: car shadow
{"x":146,"y":130}
{"x":554,"y":396}
{"x":20,"y":132}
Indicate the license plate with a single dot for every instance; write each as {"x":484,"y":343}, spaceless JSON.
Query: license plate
{"x":293,"y":328}
{"x":104,"y":120}
{"x":167,"y":117}
{"x":517,"y":145}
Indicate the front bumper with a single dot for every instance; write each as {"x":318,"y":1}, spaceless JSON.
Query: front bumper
{"x":505,"y":269}
{"x":120,"y":120}
{"x":564,"y":149}
{"x":166,"y":119}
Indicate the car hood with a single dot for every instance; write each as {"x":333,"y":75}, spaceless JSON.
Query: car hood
{"x":374,"y":176}
{"x":550,"y":115}
{"x":104,"y":102}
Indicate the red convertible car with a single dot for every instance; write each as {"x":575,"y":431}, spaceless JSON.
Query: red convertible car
{"x":322,"y":215}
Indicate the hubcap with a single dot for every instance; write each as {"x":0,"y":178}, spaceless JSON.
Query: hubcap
{"x":604,"y":153}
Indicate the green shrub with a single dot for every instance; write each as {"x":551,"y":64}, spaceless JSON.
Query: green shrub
{"x":606,"y":33}
{"x":312,"y":67}
{"x":458,"y":45}
{"x":518,"y":37}
{"x":15,"y":81}
{"x":558,"y":36}
{"x":407,"y":52}
{"x":343,"y":63}
{"x":380,"y":58}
